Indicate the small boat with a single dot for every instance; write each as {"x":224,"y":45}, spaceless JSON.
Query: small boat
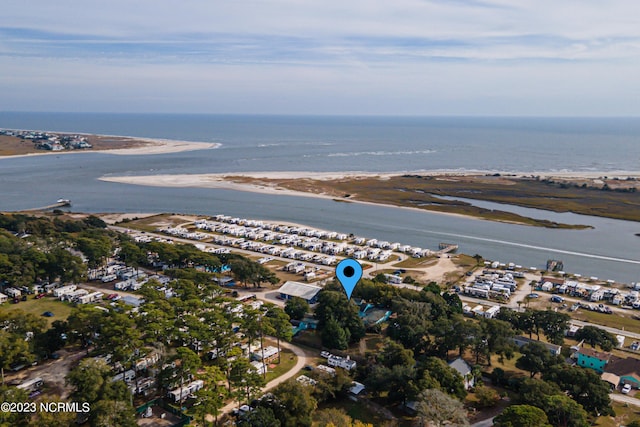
{"x":64,"y":202}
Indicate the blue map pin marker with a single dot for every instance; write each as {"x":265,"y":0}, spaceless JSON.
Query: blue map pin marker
{"x":348,"y":272}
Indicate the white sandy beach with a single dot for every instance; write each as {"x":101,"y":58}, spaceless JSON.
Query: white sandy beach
{"x":162,"y":146}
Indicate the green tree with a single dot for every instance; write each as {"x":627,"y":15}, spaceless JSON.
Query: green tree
{"x":394,"y":353}
{"x":86,"y":323}
{"x":12,"y":349}
{"x":246,"y":380}
{"x":332,"y":304}
{"x":412,"y":326}
{"x":280,"y":326}
{"x":88,"y":380}
{"x":52,"y":419}
{"x":487,"y":397}
{"x":13,"y":395}
{"x":259,"y":417}
{"x":584,"y":386}
{"x":296,"y":308}
{"x":596,"y":336}
{"x":333,"y":417}
{"x":534,"y":392}
{"x":112,"y":413}
{"x":565,"y":412}
{"x":449,"y":380}
{"x":96,"y":248}
{"x":402,"y":384}
{"x":334,"y":336}
{"x":438,"y":409}
{"x":293,"y":404}
{"x":535,"y":358}
{"x":554,"y":324}
{"x":189,"y":364}
{"x":211,"y":396}
{"x":498,"y":335}
{"x":522,"y":416}
{"x":51,"y":340}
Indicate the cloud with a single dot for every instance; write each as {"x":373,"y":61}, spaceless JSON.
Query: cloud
{"x":328,"y":51}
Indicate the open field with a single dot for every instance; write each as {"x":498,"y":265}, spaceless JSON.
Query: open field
{"x":60,"y":310}
{"x":627,"y":323}
{"x":624,"y":414}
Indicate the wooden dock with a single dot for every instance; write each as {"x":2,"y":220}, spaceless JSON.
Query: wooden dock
{"x":445,"y":248}
{"x":58,"y":204}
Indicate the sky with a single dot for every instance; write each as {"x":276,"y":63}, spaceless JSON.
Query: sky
{"x":342,"y":57}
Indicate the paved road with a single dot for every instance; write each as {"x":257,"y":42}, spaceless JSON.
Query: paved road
{"x":625,"y":398}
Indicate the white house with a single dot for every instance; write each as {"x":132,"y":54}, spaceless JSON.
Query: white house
{"x":465,"y":370}
{"x":260,"y":367}
{"x":13,"y":292}
{"x":182,"y":393}
{"x":64,"y":290}
{"x":341,"y":362}
{"x":269,"y":352}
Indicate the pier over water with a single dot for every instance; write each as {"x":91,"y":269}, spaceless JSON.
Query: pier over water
{"x":61,"y":203}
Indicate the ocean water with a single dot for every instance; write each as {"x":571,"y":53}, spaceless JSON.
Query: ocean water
{"x":370,"y":144}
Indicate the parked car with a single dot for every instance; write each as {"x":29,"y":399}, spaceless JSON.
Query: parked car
{"x":47,"y":314}
{"x":626,"y":388}
{"x":557,"y":298}
{"x":534,"y":295}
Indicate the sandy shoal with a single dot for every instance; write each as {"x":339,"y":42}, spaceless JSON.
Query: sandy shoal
{"x":221,"y":181}
{"x":162,"y":146}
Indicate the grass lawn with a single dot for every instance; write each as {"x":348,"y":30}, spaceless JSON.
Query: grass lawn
{"x":61,"y":310}
{"x":462,"y":260}
{"x":151,"y":223}
{"x":287,"y":361}
{"x":626,"y":323}
{"x":624,"y":414}
{"x":416,"y":262}
{"x":508,"y":365}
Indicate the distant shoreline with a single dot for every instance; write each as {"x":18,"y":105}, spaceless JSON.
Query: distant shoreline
{"x":120,"y":145}
{"x":356,"y":187}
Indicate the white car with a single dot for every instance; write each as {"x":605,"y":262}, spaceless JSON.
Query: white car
{"x":626,"y":389}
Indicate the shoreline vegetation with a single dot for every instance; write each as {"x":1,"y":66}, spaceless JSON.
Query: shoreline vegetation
{"x":586,"y":194}
{"x":13,"y":146}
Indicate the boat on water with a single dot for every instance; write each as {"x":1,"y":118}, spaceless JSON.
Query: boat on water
{"x":64,"y":202}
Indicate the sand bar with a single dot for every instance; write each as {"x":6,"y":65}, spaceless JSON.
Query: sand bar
{"x":162,"y":146}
